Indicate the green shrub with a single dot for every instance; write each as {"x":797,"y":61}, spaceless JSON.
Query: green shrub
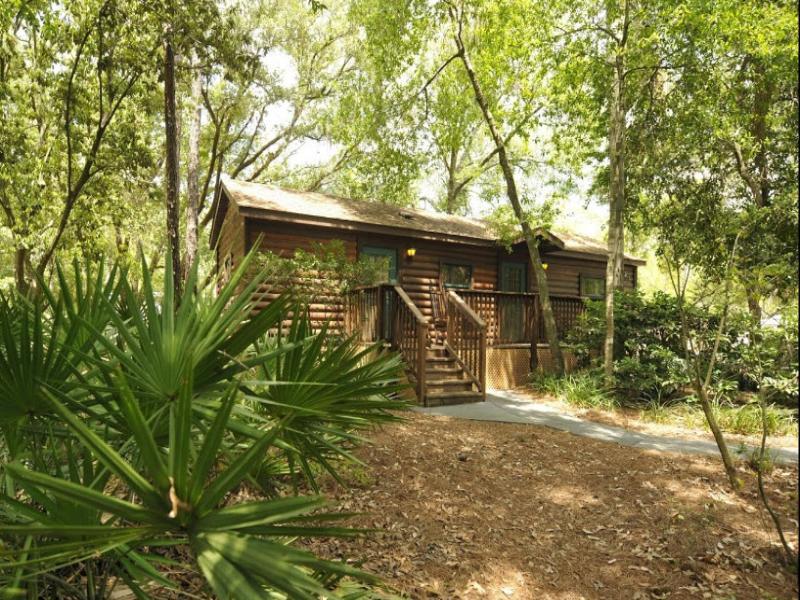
{"x":314,"y":275}
{"x":650,"y":363}
{"x":167,"y":436}
{"x":583,"y":389}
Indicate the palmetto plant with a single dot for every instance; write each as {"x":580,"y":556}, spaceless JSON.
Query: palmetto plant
{"x":43,"y":340}
{"x":161,"y":418}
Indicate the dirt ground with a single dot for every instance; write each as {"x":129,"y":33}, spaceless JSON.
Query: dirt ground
{"x":470,"y":509}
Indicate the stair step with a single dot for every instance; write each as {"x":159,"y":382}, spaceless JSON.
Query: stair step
{"x":446,"y":398}
{"x":448,"y":385}
{"x":444,"y":373}
{"x":440,"y":359}
{"x":442,"y":367}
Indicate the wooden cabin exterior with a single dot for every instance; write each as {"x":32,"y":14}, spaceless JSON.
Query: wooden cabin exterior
{"x":462,"y":309}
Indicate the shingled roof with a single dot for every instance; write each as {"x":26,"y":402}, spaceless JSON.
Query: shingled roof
{"x":262,"y":201}
{"x":586,"y":245}
{"x":268,"y":199}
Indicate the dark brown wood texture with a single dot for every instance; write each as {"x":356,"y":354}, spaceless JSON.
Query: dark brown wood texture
{"x":466,"y":339}
{"x":231,"y":242}
{"x":422,"y":273}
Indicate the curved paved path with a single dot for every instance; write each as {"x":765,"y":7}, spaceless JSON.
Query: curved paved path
{"x":507,"y":407}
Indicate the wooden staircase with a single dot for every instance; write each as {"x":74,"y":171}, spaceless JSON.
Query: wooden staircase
{"x":446,"y":364}
{"x":446,"y":381}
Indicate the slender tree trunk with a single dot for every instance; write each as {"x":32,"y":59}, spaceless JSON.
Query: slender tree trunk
{"x":20,"y":260}
{"x":699,"y":383}
{"x":616,"y":203}
{"x":789,"y":555}
{"x":452,"y":184}
{"x":171,"y":128}
{"x":753,"y":302}
{"x":551,"y":332}
{"x":760,"y":130}
{"x":192,"y":170}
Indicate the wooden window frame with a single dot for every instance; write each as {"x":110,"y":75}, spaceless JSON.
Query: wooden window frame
{"x":585,"y":277}
{"x":456,"y":263}
{"x":360,"y":247}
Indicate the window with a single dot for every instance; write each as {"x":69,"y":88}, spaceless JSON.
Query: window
{"x":593,"y":287}
{"x":457,"y":276}
{"x":629,"y":277}
{"x":387,"y":256}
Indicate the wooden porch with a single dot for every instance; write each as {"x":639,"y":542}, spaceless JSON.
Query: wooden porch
{"x":446,"y":354}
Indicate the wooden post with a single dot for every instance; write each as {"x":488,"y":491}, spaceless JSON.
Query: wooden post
{"x":482,"y":361}
{"x":422,"y":335}
{"x":379,"y":299}
{"x":535,"y":335}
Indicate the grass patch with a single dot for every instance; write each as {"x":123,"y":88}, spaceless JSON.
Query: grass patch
{"x":743,"y":419}
{"x":582,"y":389}
{"x":746,"y":419}
{"x":585,"y":389}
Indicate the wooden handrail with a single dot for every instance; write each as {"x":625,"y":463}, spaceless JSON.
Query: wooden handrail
{"x":515,"y":317}
{"x":375,"y":286}
{"x":421,"y":319}
{"x":520,"y":294}
{"x":407,"y":332}
{"x":466,"y":339}
{"x":464,"y":307}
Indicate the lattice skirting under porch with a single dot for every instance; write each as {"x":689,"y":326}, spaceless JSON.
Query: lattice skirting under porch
{"x":510,"y":367}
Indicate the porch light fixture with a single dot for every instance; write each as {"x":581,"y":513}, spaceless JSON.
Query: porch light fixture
{"x":410,"y":252}
{"x":544,"y":266}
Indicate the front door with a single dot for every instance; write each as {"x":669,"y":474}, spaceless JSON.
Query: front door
{"x":513,"y":278}
{"x":389,"y":255}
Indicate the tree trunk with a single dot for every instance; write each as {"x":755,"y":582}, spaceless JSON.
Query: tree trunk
{"x":452,"y":184}
{"x":551,"y":333}
{"x":193,"y":171}
{"x":20,"y":259}
{"x":701,"y":389}
{"x":761,"y":104}
{"x":753,"y":302}
{"x":699,"y":383}
{"x":171,"y":129}
{"x":616,"y":204}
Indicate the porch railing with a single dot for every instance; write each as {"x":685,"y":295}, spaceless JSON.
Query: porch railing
{"x":385,"y":312}
{"x":466,"y":339}
{"x":362,"y":313}
{"x":409,"y":334}
{"x":516,"y":318}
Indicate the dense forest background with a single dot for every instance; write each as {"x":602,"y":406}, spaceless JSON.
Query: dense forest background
{"x":369,"y":101}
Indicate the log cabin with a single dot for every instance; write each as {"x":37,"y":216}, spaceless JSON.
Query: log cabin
{"x":460,"y":307}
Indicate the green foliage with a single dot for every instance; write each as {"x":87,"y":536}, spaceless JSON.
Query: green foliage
{"x":583,"y":389}
{"x":140,"y":434}
{"x":742,"y":419}
{"x":321,"y":272}
{"x":505,"y":224}
{"x":716,"y":152}
{"x":650,"y":364}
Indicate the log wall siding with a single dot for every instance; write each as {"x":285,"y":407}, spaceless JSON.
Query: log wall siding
{"x":284,"y":239}
{"x":231,"y":240}
{"x":564,"y":271}
{"x":417,"y":274}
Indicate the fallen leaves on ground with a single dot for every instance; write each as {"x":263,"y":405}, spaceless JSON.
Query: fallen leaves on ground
{"x":467,"y":510}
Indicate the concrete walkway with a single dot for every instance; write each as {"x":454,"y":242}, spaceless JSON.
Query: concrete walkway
{"x":507,"y":407}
